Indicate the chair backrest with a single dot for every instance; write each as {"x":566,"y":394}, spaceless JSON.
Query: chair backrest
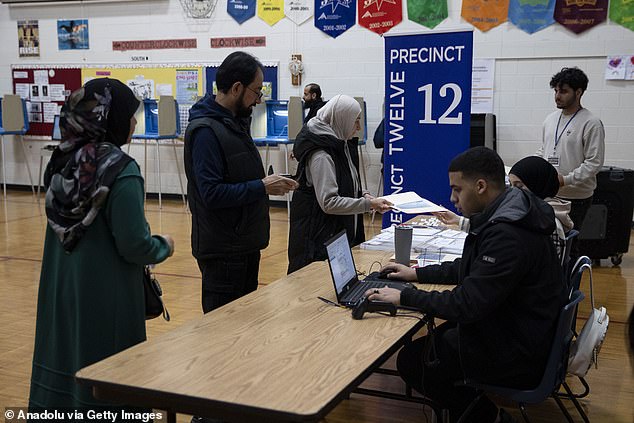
{"x":14,"y":117}
{"x":565,"y":256}
{"x":576,"y":272}
{"x":557,"y":364}
{"x":168,"y":117}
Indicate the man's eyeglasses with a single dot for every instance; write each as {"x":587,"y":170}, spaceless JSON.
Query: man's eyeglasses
{"x":258,"y":93}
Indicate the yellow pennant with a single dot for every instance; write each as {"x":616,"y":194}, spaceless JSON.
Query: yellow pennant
{"x":271,"y":11}
{"x":485,"y":14}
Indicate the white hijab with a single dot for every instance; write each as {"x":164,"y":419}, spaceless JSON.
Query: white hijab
{"x":336,"y":118}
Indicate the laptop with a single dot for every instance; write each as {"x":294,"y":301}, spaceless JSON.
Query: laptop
{"x":56,"y":135}
{"x":348,"y":287}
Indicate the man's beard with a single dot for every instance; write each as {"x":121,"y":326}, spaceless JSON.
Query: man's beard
{"x":308,"y":103}
{"x":243,"y":112}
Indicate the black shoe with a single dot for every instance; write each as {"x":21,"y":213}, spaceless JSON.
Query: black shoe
{"x":506,"y":417}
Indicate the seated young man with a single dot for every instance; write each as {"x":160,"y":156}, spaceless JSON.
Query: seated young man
{"x":501,"y":316}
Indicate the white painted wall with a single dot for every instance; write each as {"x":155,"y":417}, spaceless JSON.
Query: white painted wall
{"x":351,"y":64}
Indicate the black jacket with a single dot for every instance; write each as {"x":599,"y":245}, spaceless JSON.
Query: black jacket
{"x":509,"y":295}
{"x":310,"y":227}
{"x":312,"y":110}
{"x":227,"y":199}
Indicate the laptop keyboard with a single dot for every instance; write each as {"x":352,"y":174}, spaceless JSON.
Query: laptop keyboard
{"x":357,"y":292}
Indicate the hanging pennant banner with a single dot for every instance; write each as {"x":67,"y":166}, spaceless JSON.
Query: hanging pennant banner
{"x":334,"y":17}
{"x":427,"y":112}
{"x":622,"y":13}
{"x":485,"y":14}
{"x":428,"y":13}
{"x":580,"y":15}
{"x":380,"y":15}
{"x":241,"y":10}
{"x":271,"y":11}
{"x":299,"y":11}
{"x":531,"y":16}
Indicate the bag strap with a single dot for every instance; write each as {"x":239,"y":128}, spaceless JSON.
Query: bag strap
{"x":587,"y":266}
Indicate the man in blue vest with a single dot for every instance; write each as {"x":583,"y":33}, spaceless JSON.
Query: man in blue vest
{"x":227,"y":187}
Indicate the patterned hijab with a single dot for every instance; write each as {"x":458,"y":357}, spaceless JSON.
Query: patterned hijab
{"x":336,"y":118}
{"x":94,"y":122}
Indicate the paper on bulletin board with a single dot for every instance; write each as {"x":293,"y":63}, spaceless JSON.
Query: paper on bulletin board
{"x":50,"y":110}
{"x":482,"y":83}
{"x":23,"y":90}
{"x":56,"y":92}
{"x":144,"y":81}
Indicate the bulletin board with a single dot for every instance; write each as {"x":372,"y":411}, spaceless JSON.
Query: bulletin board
{"x":45,"y":90}
{"x":184,"y":84}
{"x":270,"y":80}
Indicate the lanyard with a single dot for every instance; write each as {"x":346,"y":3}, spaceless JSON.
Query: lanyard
{"x":558,"y":138}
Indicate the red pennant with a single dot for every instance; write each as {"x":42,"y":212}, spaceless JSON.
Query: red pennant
{"x":380,"y":15}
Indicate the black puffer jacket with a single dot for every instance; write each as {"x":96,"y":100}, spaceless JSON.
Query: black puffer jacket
{"x":509,"y":294}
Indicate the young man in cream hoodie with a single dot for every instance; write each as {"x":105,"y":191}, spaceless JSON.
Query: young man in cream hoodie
{"x":573,"y":141}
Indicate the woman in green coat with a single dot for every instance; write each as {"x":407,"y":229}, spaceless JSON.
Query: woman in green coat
{"x":91,"y":300}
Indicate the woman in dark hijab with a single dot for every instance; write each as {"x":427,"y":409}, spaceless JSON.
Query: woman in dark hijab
{"x":91,"y":300}
{"x":536,"y":175}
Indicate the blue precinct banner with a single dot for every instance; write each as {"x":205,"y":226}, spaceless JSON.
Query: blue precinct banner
{"x":241,"y":10}
{"x":427,"y":112}
{"x":532,"y":15}
{"x":334,"y":17}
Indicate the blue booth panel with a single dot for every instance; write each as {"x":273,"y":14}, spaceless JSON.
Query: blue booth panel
{"x":151,"y":116}
{"x":277,"y":119}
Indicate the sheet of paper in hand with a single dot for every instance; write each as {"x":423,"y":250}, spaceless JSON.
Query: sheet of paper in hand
{"x":412,"y":203}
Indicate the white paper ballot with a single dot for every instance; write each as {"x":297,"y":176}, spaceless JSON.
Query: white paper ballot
{"x":412,"y":203}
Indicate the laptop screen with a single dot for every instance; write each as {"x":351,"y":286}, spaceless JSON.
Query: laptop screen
{"x":340,"y":261}
{"x":57,"y":134}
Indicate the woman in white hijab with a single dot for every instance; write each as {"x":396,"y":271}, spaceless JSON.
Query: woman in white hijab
{"x":329,"y":198}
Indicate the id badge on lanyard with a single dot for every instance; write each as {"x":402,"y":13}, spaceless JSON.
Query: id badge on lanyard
{"x":554,"y":159}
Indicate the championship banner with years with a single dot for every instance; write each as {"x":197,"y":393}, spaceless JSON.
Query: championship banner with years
{"x":241,"y":10}
{"x":334,"y":17}
{"x":485,"y":14}
{"x":428,"y":13}
{"x":299,"y":11}
{"x":271,"y":11}
{"x":580,"y":15}
{"x":380,"y":15}
{"x":427,"y":112}
{"x":531,"y":15}
{"x":622,"y":13}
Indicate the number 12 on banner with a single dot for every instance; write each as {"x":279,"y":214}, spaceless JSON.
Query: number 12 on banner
{"x":445,"y":118}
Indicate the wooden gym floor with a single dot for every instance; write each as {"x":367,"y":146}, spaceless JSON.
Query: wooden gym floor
{"x":22,"y":224}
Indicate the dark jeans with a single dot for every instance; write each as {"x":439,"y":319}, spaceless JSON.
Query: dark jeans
{"x":437,"y":382}
{"x":228,"y":278}
{"x":578,"y":211}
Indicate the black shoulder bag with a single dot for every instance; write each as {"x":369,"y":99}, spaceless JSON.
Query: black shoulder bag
{"x":154,"y":305}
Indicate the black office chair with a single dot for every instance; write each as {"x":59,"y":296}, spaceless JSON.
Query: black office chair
{"x":554,"y":375}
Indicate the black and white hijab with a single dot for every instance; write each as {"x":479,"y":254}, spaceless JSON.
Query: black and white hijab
{"x":95,"y":123}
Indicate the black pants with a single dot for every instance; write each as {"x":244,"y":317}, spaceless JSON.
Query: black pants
{"x":437,"y":382}
{"x":228,"y":278}
{"x":578,"y":211}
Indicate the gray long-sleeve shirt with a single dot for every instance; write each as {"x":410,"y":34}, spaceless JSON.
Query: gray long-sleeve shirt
{"x":580,"y":150}
{"x":321,"y":174}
